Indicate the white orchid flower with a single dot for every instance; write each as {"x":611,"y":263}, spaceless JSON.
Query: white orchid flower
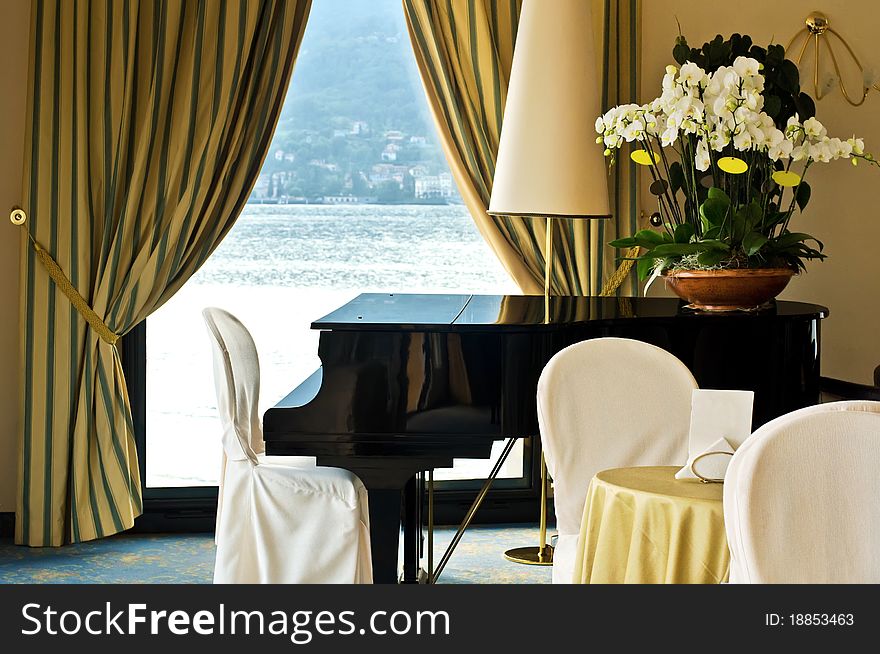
{"x":669,"y":136}
{"x":814,"y":129}
{"x":746,"y":67}
{"x":800,"y":152}
{"x":839,"y":149}
{"x":754,"y":101}
{"x":780,"y":150}
{"x":691,"y":74}
{"x":721,"y":109}
{"x":774,"y":136}
{"x":633,"y":131}
{"x":719,"y":138}
{"x":742,"y":141}
{"x":820,"y":151}
{"x":858,"y":145}
{"x":701,"y":158}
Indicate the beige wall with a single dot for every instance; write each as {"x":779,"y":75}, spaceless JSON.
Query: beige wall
{"x":844,"y":211}
{"x":14,"y":31}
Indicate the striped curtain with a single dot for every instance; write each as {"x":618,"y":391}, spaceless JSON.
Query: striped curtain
{"x":148,"y":124}
{"x":621,"y":56}
{"x":464,"y":50}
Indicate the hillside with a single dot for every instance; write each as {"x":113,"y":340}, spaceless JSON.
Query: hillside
{"x":355,"y":121}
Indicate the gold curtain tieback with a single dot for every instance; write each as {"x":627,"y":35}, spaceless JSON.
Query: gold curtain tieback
{"x":622,"y":272}
{"x":18,"y":217}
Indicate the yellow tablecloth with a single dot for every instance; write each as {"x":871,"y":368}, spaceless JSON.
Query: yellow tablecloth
{"x":641,"y":525}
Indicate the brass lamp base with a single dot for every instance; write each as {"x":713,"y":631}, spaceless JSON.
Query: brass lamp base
{"x":531,"y":555}
{"x":543,"y":553}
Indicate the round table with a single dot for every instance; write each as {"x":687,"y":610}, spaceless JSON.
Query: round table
{"x":641,"y":525}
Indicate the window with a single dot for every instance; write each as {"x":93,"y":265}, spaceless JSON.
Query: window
{"x":354,"y":196}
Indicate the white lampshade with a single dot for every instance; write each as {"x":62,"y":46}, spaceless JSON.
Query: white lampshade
{"x":548,"y":161}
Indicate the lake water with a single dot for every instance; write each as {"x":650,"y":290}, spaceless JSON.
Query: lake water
{"x":278,"y":269}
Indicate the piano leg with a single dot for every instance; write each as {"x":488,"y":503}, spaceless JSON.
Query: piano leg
{"x":385,"y":506}
{"x":412,"y":528}
{"x":392,"y":488}
{"x":385,"y":525}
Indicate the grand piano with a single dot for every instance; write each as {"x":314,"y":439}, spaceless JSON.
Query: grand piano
{"x":410,"y":382}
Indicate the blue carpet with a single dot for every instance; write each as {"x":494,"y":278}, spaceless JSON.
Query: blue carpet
{"x":189,"y":559}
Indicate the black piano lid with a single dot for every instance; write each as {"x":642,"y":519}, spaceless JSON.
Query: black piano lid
{"x":408,"y":311}
{"x":394,"y":309}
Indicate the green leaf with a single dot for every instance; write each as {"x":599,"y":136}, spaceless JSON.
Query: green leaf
{"x":803,"y":195}
{"x":677,"y":250}
{"x":646,"y":238}
{"x":772,"y":219}
{"x":711,"y":258}
{"x":775,"y":55}
{"x":627,"y":242}
{"x":715,"y":244}
{"x":744,"y":221}
{"x":683,"y":233}
{"x":713,"y":210}
{"x":772,"y":105}
{"x":753,"y":242}
{"x":645,"y":267}
{"x":710,"y":232}
{"x":805,"y":106}
{"x":681,"y":53}
{"x":716,"y":193}
{"x":790,"y":78}
{"x":792,"y":238}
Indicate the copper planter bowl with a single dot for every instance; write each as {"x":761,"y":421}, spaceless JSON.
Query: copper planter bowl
{"x":728,"y":290}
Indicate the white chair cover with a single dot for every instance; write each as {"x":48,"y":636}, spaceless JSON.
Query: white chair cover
{"x":802,"y":498}
{"x":607,"y":403}
{"x":277,"y":523}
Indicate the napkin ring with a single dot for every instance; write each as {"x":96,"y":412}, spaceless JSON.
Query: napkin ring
{"x":707,"y":480}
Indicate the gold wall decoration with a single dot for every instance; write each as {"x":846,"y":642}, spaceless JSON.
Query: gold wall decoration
{"x":818,"y":30}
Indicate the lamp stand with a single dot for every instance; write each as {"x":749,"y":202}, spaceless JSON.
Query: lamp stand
{"x":548,"y":267}
{"x":543,"y":553}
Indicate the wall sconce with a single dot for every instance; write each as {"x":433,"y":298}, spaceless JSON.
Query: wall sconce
{"x":818,"y":27}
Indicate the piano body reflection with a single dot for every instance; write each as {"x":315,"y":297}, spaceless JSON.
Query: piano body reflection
{"x":410,"y":382}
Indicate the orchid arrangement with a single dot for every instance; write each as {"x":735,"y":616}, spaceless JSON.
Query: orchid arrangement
{"x":728,"y":144}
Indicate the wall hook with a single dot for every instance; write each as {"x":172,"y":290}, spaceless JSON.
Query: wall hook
{"x":17,"y":216}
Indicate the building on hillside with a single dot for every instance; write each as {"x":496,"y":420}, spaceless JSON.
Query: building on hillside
{"x":387,"y":172}
{"x":320,"y":163}
{"x":432,"y":187}
{"x":341,"y":199}
{"x":261,"y":187}
{"x":390,"y":152}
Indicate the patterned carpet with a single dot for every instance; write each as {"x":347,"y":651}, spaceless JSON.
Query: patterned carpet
{"x":165,"y":559}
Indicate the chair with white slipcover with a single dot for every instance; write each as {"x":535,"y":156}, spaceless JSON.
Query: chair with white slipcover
{"x":607,"y":403}
{"x":290,"y":522}
{"x":800,"y":498}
